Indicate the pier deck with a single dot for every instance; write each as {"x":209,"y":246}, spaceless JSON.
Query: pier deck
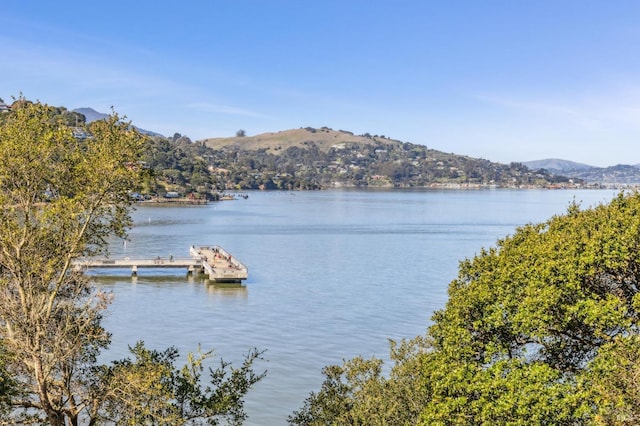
{"x":213,"y":261}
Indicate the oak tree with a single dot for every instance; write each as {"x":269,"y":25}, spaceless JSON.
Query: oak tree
{"x":62,"y":198}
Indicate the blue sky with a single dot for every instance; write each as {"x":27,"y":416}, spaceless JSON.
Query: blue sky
{"x":502,"y":80}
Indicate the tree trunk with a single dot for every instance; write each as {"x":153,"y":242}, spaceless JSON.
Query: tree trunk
{"x":55,"y":418}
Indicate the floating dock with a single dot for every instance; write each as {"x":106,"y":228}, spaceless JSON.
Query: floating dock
{"x":213,"y":261}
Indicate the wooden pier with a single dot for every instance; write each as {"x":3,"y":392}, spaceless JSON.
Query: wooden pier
{"x":213,"y":261}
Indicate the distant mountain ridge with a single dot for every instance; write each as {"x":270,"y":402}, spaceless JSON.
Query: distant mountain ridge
{"x":92,"y":115}
{"x":621,"y":174}
{"x":556,"y":165}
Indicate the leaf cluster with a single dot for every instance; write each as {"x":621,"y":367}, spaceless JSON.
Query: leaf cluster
{"x":150,"y":389}
{"x":357,"y":392}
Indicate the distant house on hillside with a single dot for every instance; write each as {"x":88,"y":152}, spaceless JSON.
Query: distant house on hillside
{"x":80,"y":133}
{"x":4,"y":107}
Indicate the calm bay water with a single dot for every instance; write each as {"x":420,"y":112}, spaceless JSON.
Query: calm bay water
{"x":332,"y":275}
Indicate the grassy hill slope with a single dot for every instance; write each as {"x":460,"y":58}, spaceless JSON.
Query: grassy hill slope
{"x":324,"y":138}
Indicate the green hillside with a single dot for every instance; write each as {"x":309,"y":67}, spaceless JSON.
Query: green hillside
{"x":309,"y":158}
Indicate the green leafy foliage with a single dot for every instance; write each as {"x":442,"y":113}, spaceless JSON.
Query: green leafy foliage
{"x":150,"y":389}
{"x":357,"y":393}
{"x":613,"y":382}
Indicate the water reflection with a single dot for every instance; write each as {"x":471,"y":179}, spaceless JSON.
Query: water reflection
{"x":124,"y":275}
{"x":227,"y":291}
{"x":166,"y":280}
{"x":217,"y":290}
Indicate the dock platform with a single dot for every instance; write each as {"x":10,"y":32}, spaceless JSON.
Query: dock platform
{"x":214,"y":261}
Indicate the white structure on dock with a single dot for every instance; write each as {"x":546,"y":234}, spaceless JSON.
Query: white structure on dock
{"x":213,"y":261}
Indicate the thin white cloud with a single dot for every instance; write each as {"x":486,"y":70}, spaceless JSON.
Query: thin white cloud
{"x":612,"y":108}
{"x":528,"y":104}
{"x":69,"y":78}
{"x":225,"y":109}
{"x":28,"y":60}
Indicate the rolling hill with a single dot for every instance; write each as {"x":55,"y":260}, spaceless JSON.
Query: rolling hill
{"x":324,"y":138}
